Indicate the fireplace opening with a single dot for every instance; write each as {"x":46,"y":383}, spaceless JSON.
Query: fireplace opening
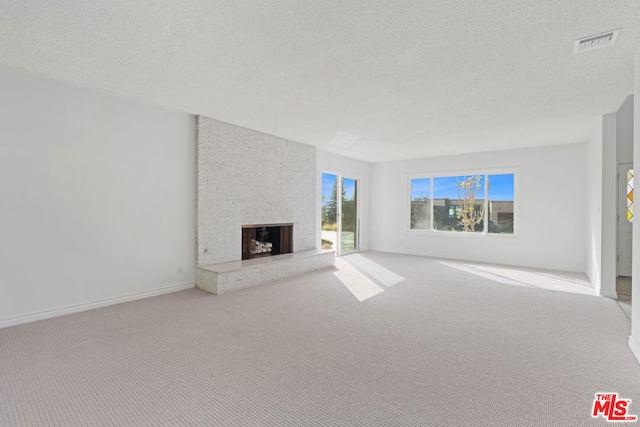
{"x":261,"y":240}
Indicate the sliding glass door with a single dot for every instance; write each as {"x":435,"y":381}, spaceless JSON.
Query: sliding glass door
{"x":348,"y":216}
{"x":339,"y":213}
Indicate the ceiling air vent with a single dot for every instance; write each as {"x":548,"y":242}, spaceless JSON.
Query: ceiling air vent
{"x":596,"y":41}
{"x":344,"y":139}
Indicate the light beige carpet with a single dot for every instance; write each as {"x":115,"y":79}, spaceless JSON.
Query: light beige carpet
{"x":438,"y":347}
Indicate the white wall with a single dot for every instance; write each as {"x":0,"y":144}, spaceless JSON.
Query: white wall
{"x":593,"y":248}
{"x":97,"y":199}
{"x":349,"y":168}
{"x":549,"y":216}
{"x":609,"y":144}
{"x":624,"y":155}
{"x":248,"y":177}
{"x":624,"y":131}
{"x":609,"y":205}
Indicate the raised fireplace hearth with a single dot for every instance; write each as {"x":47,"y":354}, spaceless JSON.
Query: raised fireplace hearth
{"x":234,"y":275}
{"x":262,"y":240}
{"x":255,"y":197}
{"x":259,"y":242}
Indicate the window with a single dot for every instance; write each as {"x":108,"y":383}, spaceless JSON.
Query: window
{"x":476,"y":203}
{"x":458,"y":203}
{"x":339,"y":213}
{"x":420,"y":204}
{"x":630,"y":195}
{"x":500,"y":211}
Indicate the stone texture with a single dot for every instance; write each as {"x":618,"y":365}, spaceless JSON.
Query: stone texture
{"x":247,"y":177}
{"x":231,"y":276}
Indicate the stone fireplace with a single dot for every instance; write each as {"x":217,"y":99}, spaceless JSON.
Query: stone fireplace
{"x":244,"y":219}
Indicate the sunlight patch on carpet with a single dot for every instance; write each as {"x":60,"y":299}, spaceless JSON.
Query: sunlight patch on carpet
{"x":553,"y":281}
{"x":357,"y":283}
{"x":374,"y":270}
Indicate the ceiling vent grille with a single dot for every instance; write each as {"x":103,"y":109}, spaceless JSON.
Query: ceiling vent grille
{"x":596,"y":41}
{"x":344,"y":139}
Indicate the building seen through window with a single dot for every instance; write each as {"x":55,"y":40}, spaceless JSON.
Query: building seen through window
{"x":464,"y":203}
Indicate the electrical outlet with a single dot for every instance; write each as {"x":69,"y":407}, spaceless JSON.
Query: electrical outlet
{"x":180,"y":270}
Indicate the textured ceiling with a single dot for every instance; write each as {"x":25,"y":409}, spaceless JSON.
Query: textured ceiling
{"x":373,"y":80}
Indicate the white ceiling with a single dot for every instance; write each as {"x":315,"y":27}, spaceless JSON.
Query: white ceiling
{"x":373,"y":80}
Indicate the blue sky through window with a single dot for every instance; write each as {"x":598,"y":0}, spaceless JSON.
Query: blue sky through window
{"x":447,"y":187}
{"x":420,"y":188}
{"x":349,"y":188}
{"x":329,"y":180}
{"x":501,"y":187}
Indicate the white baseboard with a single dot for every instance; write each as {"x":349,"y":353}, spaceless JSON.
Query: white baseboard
{"x":510,"y":263}
{"x":608,"y":294}
{"x":635,"y":347}
{"x":46,"y":314}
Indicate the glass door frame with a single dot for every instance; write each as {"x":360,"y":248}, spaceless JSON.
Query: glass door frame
{"x":339,"y":216}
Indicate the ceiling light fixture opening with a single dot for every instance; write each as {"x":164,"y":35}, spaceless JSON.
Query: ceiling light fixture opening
{"x":344,"y":139}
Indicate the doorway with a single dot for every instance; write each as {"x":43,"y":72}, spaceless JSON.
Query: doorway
{"x":339,"y":213}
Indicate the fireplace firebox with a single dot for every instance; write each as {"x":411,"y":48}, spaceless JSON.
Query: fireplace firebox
{"x":260,"y":240}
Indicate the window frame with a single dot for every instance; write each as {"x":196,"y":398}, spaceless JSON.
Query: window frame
{"x":430,"y":206}
{"x":486,"y":172}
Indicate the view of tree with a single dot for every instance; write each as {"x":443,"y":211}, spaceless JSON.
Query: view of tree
{"x":463,"y":203}
{"x":325,"y":218}
{"x":349,"y":214}
{"x":343,"y":201}
{"x":470,"y":214}
{"x":330,"y":209}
